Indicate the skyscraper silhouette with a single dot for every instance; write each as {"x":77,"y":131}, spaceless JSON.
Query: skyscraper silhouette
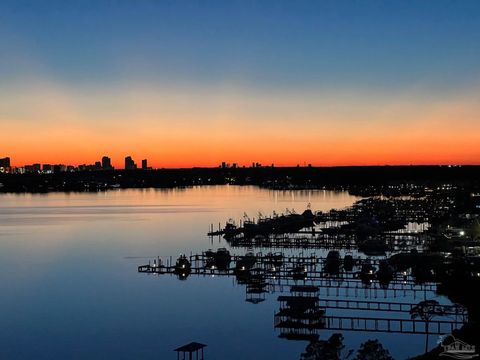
{"x":130,"y":164}
{"x":106,"y":163}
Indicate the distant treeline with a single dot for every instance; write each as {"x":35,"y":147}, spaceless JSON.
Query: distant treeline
{"x":359,"y":179}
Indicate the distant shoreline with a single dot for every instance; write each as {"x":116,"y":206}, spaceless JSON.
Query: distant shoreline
{"x":359,"y":180}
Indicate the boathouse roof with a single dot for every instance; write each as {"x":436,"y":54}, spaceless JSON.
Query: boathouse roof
{"x":193,"y":346}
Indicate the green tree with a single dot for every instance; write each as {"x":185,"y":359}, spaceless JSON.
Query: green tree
{"x":372,"y":350}
{"x":330,"y":349}
{"x":426,"y":310}
{"x":474,"y":230}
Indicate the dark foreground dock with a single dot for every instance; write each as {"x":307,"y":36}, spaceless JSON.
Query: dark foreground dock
{"x":312,"y":282}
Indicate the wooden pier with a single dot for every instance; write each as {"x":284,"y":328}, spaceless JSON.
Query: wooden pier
{"x":374,"y":291}
{"x":264,"y":260}
{"x":457,"y":311}
{"x":278,"y":272}
{"x":308,"y":239}
{"x":313,"y":294}
{"x":404,"y":326}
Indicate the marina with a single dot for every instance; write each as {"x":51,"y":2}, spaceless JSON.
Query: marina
{"x":374,"y":267}
{"x":147,"y":284}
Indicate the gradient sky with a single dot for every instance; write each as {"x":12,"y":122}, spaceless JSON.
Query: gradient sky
{"x":194,"y":83}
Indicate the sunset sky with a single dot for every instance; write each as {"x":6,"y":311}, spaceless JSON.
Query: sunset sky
{"x":195,"y":83}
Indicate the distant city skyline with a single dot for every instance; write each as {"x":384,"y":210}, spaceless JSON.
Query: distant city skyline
{"x":197,"y":83}
{"x":129,"y":163}
{"x":104,"y":164}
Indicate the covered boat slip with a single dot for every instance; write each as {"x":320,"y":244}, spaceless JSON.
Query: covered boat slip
{"x":189,"y":350}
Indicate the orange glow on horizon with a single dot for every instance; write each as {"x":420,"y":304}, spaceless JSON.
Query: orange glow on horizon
{"x":51,"y":124}
{"x":445,"y":148}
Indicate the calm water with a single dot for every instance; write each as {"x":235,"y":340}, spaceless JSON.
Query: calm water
{"x":70,"y":287}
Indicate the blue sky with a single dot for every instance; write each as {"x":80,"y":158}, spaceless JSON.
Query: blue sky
{"x":260,"y":43}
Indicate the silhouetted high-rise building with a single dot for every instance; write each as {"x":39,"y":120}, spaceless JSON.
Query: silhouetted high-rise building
{"x":58,"y":168}
{"x":106,"y":163}
{"x":33,"y":169}
{"x":5,"y":162}
{"x":144,"y":164}
{"x":130,"y":164}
